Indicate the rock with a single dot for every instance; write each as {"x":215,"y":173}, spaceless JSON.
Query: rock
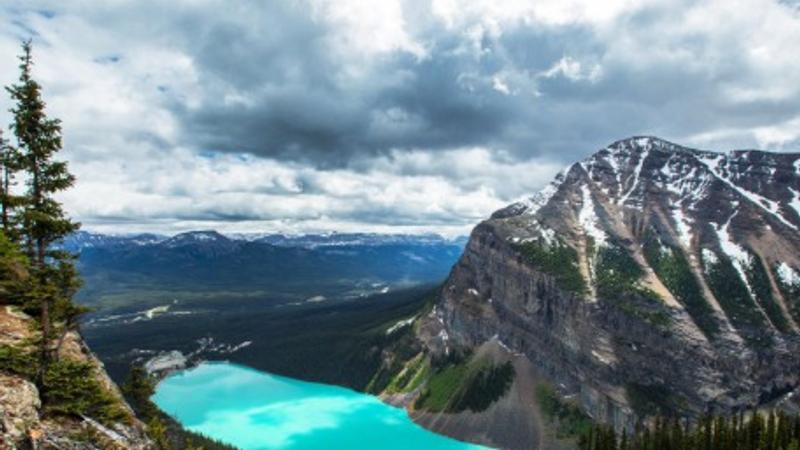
{"x":19,"y":410}
{"x":166,"y":362}
{"x":21,"y":421}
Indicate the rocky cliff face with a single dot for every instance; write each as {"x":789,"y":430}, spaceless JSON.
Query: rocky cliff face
{"x":23,"y":423}
{"x":647,"y":279}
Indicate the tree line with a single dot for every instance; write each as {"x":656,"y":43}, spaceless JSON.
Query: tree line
{"x":753,"y":431}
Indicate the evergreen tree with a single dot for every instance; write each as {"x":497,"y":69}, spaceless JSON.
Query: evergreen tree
{"x":13,"y":269}
{"x":43,"y":221}
{"x":768,"y":437}
{"x":158,"y":433}
{"x":623,"y":441}
{"x":138,"y":388}
{"x":778,"y":431}
{"x":9,"y":166}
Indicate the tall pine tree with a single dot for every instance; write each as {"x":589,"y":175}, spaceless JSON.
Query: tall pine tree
{"x":43,"y":221}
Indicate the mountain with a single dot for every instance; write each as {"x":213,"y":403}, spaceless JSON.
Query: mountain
{"x":144,"y":271}
{"x":364,"y":239}
{"x":80,"y":240}
{"x":648,"y":279}
{"x":201,"y":256}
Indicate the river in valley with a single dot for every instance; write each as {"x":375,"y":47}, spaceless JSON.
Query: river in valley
{"x":254,"y":410}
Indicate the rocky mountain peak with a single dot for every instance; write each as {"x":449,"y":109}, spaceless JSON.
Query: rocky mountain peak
{"x":199,"y":240}
{"x":202,"y":236}
{"x":646,"y":264}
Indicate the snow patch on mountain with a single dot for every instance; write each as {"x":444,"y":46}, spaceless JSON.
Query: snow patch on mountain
{"x":548,"y":235}
{"x":588,"y":218}
{"x":738,"y":255}
{"x":714,"y":164}
{"x":795,"y":202}
{"x":637,"y":172}
{"x":400,"y":324}
{"x":612,"y":160}
{"x":689,"y":186}
{"x":709,"y":257}
{"x":536,"y":202}
{"x":682,"y":226}
{"x":788,"y":275}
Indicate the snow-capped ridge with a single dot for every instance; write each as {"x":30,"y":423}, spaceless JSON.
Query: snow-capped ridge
{"x":702,"y":207}
{"x":203,"y":236}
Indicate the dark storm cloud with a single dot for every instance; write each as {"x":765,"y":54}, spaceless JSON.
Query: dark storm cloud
{"x":306,"y":114}
{"x":298,"y":104}
{"x":271,"y":82}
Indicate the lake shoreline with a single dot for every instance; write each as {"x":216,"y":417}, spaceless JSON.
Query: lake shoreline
{"x":252,"y":410}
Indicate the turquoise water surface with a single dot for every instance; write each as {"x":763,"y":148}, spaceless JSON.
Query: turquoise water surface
{"x":256,"y":410}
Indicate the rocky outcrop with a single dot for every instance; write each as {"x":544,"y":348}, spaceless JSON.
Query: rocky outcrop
{"x":647,"y":279}
{"x":24,"y":424}
{"x":19,"y":409}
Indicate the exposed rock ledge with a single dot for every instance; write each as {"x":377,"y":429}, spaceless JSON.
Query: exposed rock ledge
{"x":22,"y":425}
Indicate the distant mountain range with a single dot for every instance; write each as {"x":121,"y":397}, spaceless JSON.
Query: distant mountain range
{"x":81,"y":240}
{"x":293,"y":265}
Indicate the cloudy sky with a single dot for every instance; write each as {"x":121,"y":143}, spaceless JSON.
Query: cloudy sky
{"x":390,"y":116}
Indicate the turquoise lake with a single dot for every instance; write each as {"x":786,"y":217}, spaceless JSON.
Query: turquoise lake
{"x":256,"y":410}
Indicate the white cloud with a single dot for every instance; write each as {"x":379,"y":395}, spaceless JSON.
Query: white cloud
{"x":369,"y":28}
{"x":455,"y":13}
{"x":410,"y":191}
{"x":573,"y":70}
{"x":437,"y":115}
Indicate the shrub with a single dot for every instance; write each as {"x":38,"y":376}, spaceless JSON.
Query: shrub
{"x":410,"y":377}
{"x":732,"y":294}
{"x":461,"y":386}
{"x":650,"y":400}
{"x":13,"y":269}
{"x":17,"y":361}
{"x":759,"y":280}
{"x":790,"y":292}
{"x":72,"y":388}
{"x":488,"y":384}
{"x":618,"y":278}
{"x":442,"y":388}
{"x":567,"y":417}
{"x":674,"y":271}
{"x":557,"y":260}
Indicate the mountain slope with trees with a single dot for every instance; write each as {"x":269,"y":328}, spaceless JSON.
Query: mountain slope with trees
{"x":647,"y":280}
